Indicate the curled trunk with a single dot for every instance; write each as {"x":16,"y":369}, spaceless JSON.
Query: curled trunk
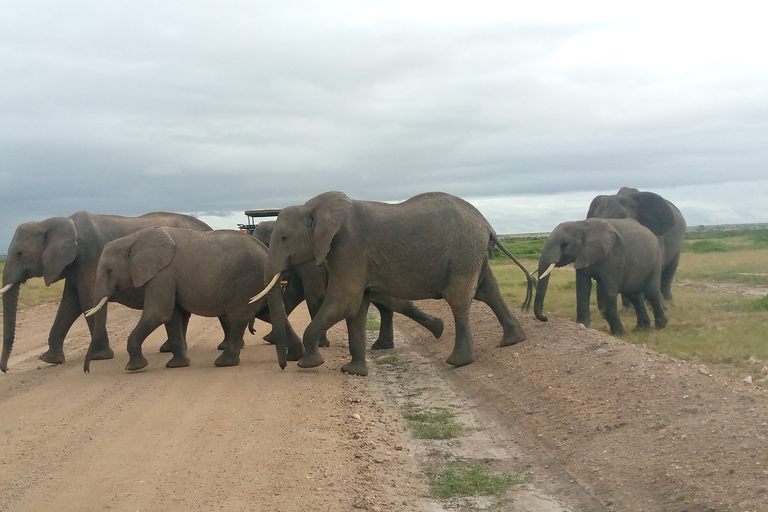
{"x":10,"y":306}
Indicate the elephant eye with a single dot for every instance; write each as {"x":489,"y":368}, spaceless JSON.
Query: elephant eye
{"x":109,"y":271}
{"x":283,"y":238}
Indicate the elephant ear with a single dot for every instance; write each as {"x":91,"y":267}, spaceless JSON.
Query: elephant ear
{"x":59,"y":247}
{"x":328,"y":212}
{"x":654,"y":212}
{"x":152,"y":250}
{"x":597,"y":241}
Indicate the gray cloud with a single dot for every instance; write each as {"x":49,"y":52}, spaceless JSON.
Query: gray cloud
{"x":129,"y":107}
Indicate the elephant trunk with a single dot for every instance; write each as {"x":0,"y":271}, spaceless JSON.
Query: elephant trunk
{"x":279,"y":320}
{"x":10,"y":306}
{"x":541,"y":290}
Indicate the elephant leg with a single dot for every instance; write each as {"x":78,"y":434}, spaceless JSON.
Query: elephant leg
{"x":657,"y":305}
{"x":611,"y":309}
{"x":223,"y":344}
{"x":356,"y":333}
{"x":176,"y":330}
{"x":147,"y":324}
{"x":233,"y":342}
{"x":488,"y":292}
{"x":638,"y":302}
{"x":409,"y":309}
{"x":460,"y":302}
{"x":69,"y":310}
{"x":667,"y":274}
{"x":386,"y":339}
{"x":583,"y":293}
{"x":330,"y":313}
{"x":314,"y":303}
{"x":166,"y":346}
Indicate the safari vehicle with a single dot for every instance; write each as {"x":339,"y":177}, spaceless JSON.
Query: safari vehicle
{"x":252,"y":215}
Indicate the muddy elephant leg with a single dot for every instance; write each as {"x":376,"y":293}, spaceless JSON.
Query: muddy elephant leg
{"x":488,"y":292}
{"x":356,"y":333}
{"x":69,"y":310}
{"x":386,"y":339}
{"x":233,"y":342}
{"x":176,"y":330}
{"x":638,"y":302}
{"x":583,"y":294}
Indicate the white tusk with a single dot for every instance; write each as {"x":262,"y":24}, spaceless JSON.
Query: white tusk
{"x":5,"y":288}
{"x":546,"y":272}
{"x":98,"y":306}
{"x":265,"y":290}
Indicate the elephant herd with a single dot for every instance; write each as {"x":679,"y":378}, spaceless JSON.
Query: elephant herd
{"x":338,"y":254}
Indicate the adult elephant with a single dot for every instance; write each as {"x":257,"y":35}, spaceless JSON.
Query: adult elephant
{"x":69,"y":248}
{"x":181,"y":271}
{"x":433,"y":245}
{"x":655,"y":213}
{"x":309,"y":281}
{"x":620,"y":254}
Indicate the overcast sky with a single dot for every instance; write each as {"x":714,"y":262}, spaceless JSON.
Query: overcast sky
{"x":527,"y":109}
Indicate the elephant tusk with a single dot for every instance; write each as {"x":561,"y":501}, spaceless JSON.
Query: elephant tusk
{"x":5,"y":288}
{"x":98,"y":306}
{"x":265,"y":290}
{"x":546,"y":272}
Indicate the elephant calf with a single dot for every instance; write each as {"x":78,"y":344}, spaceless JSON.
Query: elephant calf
{"x":207,"y":273}
{"x":620,"y":254}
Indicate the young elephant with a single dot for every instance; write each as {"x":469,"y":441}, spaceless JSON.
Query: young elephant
{"x":433,"y":245}
{"x":620,"y":254}
{"x":180,"y":271}
{"x":309,"y":281}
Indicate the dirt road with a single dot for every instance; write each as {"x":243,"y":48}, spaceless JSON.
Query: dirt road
{"x":596,"y":423}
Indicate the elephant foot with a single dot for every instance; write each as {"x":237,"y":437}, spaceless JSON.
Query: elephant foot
{"x":311,"y":360}
{"x":269,"y":338}
{"x":511,"y":339}
{"x":642,"y":327}
{"x":227,"y":360}
{"x":103,"y":353}
{"x":356,"y":368}
{"x":136,"y":363}
{"x":383,"y":344}
{"x":222,"y":345}
{"x":460,"y":357}
{"x":436,"y":327}
{"x":165,"y":348}
{"x":178,"y":362}
{"x":52,"y":356}
{"x":324,"y":342}
{"x":661,"y":322}
{"x":296,"y":352}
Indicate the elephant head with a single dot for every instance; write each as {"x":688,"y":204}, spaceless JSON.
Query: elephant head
{"x":38,"y":249}
{"x":301,"y":233}
{"x":649,"y":209}
{"x":130,"y":262}
{"x":263,"y":231}
{"x":582,"y":243}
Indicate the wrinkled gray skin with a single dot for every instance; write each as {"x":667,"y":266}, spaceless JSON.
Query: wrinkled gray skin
{"x":309,"y":282}
{"x":654,"y":212}
{"x":433,"y":245}
{"x":182,"y":271}
{"x":68,"y":248}
{"x":620,"y":254}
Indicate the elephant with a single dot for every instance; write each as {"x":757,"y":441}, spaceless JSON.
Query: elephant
{"x":308,"y":281}
{"x":654,"y":212}
{"x":431,"y":246}
{"x":69,"y":248}
{"x":620,"y":254}
{"x":181,"y":271}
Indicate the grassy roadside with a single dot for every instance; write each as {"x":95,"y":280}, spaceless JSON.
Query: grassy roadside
{"x":712,"y":319}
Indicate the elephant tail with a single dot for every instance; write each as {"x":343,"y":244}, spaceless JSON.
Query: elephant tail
{"x":531,"y":280}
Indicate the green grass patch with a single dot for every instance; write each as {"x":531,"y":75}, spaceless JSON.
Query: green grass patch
{"x":460,"y":478}
{"x":529,"y":248}
{"x":392,"y":360}
{"x":372,"y":320}
{"x":434,"y":424}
